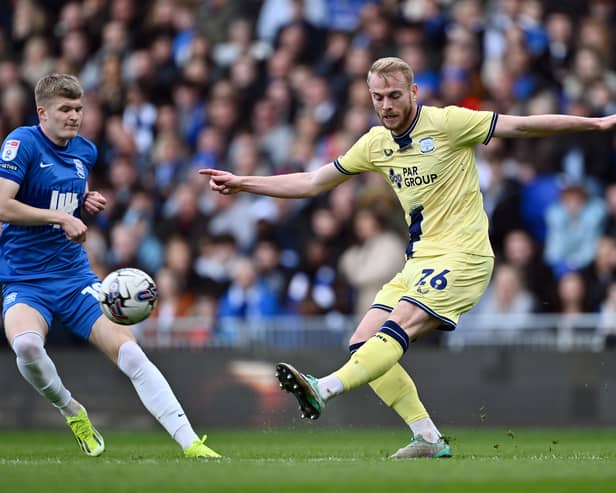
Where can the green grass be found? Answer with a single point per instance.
(312, 459)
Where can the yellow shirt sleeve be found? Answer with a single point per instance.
(466, 127)
(357, 158)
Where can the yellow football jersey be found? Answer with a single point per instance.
(431, 168)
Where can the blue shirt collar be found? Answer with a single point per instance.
(404, 140)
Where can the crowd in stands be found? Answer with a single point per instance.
(272, 86)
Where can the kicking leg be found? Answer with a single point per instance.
(118, 343)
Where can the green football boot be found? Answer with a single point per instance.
(88, 439)
(198, 450)
(303, 387)
(422, 448)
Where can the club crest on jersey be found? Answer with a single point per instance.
(10, 149)
(426, 145)
(388, 152)
(81, 173)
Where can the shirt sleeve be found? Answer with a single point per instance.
(466, 127)
(357, 158)
(16, 155)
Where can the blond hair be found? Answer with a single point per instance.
(57, 85)
(389, 65)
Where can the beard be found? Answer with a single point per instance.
(401, 121)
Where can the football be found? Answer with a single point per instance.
(128, 296)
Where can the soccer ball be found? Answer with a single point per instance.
(128, 296)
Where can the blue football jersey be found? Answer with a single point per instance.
(50, 177)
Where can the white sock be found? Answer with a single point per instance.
(185, 436)
(155, 393)
(36, 367)
(426, 428)
(330, 386)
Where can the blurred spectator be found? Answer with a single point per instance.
(574, 226)
(507, 300)
(123, 248)
(572, 305)
(248, 296)
(501, 190)
(239, 42)
(191, 111)
(181, 216)
(601, 272)
(139, 118)
(37, 60)
(560, 32)
(28, 19)
(610, 203)
(316, 288)
(268, 263)
(110, 88)
(572, 294)
(174, 301)
(214, 17)
(214, 263)
(274, 14)
(115, 39)
(607, 321)
(15, 106)
(588, 67)
(275, 136)
(317, 101)
(203, 316)
(209, 151)
(178, 259)
(140, 216)
(168, 154)
(377, 250)
(522, 253)
(96, 248)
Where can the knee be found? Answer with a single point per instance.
(28, 346)
(131, 358)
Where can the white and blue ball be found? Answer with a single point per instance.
(128, 296)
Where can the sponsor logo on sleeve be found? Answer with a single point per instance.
(9, 152)
(9, 166)
(10, 298)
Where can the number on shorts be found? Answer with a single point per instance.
(439, 281)
(92, 290)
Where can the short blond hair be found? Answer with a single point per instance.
(389, 65)
(57, 85)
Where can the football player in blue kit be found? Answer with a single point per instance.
(45, 272)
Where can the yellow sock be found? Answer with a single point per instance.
(375, 357)
(397, 389)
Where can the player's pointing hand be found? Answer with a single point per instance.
(222, 181)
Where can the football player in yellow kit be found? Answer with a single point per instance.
(426, 154)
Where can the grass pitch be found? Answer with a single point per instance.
(312, 459)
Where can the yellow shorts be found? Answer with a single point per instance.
(445, 286)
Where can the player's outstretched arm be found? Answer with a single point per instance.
(544, 125)
(292, 185)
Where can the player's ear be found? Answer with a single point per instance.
(41, 112)
(414, 91)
